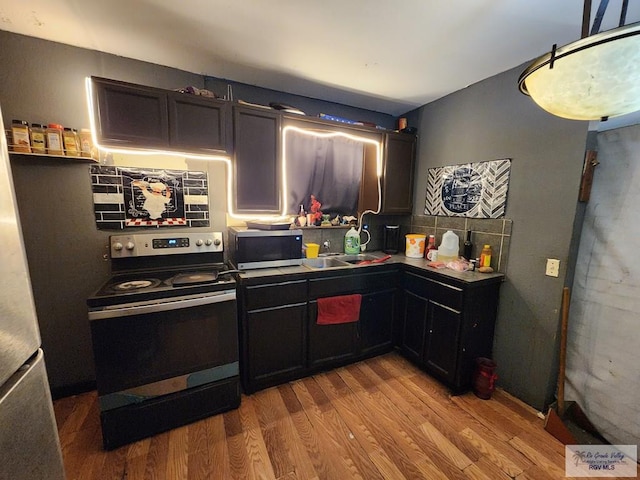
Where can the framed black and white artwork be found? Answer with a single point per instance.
(145, 197)
(474, 190)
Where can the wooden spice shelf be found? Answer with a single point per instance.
(52, 157)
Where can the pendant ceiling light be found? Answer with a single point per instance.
(594, 78)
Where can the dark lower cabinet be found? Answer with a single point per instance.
(447, 324)
(334, 345)
(273, 333)
(281, 340)
(330, 345)
(277, 340)
(414, 326)
(441, 340)
(377, 314)
(440, 323)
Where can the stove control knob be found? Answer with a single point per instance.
(117, 246)
(217, 242)
(208, 242)
(199, 242)
(129, 246)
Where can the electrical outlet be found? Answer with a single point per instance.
(553, 267)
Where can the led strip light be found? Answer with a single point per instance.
(227, 161)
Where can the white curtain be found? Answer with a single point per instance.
(603, 356)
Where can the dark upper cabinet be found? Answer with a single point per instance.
(198, 123)
(130, 115)
(256, 160)
(396, 183)
(397, 177)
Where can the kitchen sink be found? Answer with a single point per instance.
(355, 259)
(338, 260)
(324, 262)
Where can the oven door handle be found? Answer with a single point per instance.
(163, 306)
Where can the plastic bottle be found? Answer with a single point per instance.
(70, 140)
(467, 246)
(431, 245)
(352, 242)
(53, 134)
(485, 256)
(449, 248)
(86, 143)
(38, 143)
(302, 217)
(20, 132)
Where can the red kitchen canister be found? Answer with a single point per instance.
(484, 378)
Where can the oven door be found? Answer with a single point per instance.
(149, 349)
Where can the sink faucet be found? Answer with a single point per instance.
(326, 246)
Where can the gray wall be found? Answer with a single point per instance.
(43, 82)
(491, 120)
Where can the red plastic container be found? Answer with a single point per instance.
(484, 378)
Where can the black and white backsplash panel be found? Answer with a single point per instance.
(143, 197)
(474, 190)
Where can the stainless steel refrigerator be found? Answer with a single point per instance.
(29, 444)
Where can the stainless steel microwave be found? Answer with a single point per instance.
(252, 248)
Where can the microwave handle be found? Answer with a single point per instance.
(163, 306)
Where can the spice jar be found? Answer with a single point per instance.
(53, 135)
(70, 140)
(38, 142)
(86, 143)
(20, 133)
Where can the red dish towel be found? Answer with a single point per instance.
(342, 309)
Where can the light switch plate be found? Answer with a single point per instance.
(553, 267)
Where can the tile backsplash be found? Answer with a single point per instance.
(494, 232)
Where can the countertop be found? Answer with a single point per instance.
(419, 264)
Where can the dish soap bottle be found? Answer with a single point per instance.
(352, 242)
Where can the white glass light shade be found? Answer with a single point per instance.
(593, 78)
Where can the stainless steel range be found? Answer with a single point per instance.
(165, 336)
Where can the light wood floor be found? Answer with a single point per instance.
(378, 419)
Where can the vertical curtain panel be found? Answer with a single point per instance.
(329, 168)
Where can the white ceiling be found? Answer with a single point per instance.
(382, 55)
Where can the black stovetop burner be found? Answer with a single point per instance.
(129, 287)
